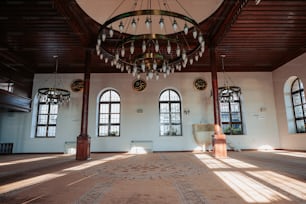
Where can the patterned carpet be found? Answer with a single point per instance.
(173, 177)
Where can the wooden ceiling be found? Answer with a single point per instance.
(253, 37)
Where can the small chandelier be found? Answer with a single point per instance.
(227, 93)
(54, 95)
(152, 40)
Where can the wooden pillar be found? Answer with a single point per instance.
(83, 140)
(220, 150)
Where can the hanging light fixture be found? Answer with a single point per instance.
(152, 40)
(227, 93)
(54, 95)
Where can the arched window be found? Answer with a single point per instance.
(231, 117)
(46, 119)
(299, 105)
(170, 113)
(109, 114)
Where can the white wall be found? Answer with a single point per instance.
(258, 113)
(296, 67)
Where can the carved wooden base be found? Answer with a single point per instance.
(83, 147)
(220, 149)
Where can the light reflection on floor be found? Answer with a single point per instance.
(249, 189)
(285, 183)
(255, 186)
(210, 162)
(237, 163)
(292, 154)
(20, 161)
(46, 177)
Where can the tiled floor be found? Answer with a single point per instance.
(155, 178)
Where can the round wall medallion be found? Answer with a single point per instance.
(200, 84)
(77, 85)
(139, 85)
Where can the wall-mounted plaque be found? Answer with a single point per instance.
(77, 85)
(139, 85)
(200, 84)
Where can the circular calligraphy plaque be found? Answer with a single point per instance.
(139, 85)
(200, 84)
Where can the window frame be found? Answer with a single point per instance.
(109, 124)
(301, 97)
(171, 114)
(48, 125)
(230, 113)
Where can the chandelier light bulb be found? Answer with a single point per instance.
(111, 32)
(203, 43)
(154, 64)
(106, 60)
(196, 58)
(143, 66)
(184, 54)
(148, 23)
(194, 33)
(200, 38)
(144, 47)
(186, 29)
(122, 51)
(156, 76)
(178, 50)
(132, 48)
(101, 56)
(103, 36)
(156, 46)
(168, 47)
(99, 41)
(161, 23)
(200, 53)
(191, 61)
(150, 75)
(164, 67)
(117, 55)
(185, 60)
(121, 27)
(134, 24)
(174, 25)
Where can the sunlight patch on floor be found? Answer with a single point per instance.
(30, 181)
(97, 162)
(20, 161)
(290, 185)
(49, 176)
(249, 189)
(293, 154)
(237, 163)
(211, 162)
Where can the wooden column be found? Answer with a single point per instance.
(83, 140)
(220, 150)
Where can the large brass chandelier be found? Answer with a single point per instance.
(149, 40)
(54, 95)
